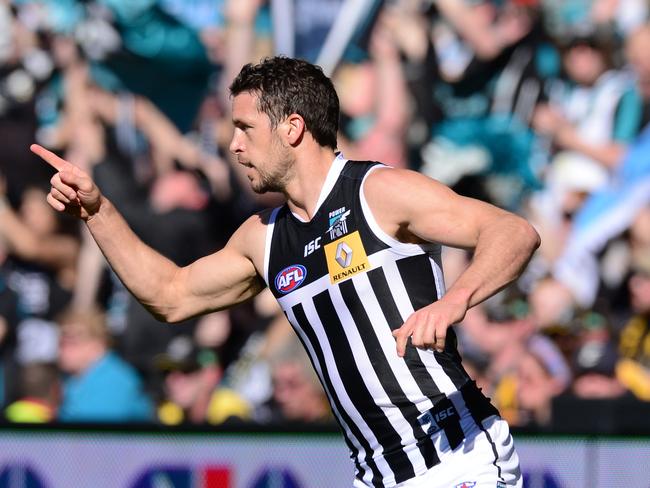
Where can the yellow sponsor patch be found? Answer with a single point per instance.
(346, 257)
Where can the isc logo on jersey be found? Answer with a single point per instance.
(290, 278)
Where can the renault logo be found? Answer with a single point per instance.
(343, 255)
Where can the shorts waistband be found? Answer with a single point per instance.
(444, 415)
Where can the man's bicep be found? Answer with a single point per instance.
(226, 277)
(405, 201)
(451, 219)
(222, 279)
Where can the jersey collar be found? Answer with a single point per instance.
(332, 176)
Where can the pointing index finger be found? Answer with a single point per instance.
(49, 157)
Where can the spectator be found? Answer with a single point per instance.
(39, 394)
(246, 383)
(589, 120)
(39, 242)
(41, 273)
(525, 369)
(621, 16)
(485, 29)
(610, 210)
(595, 359)
(633, 369)
(298, 395)
(9, 317)
(594, 113)
(374, 102)
(483, 146)
(192, 369)
(301, 27)
(542, 375)
(26, 64)
(99, 386)
(191, 374)
(498, 331)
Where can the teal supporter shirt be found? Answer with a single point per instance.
(109, 391)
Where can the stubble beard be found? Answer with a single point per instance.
(277, 177)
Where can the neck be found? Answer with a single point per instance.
(311, 169)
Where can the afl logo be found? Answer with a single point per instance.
(290, 278)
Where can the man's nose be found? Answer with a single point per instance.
(235, 145)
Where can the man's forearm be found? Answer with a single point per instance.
(501, 254)
(145, 272)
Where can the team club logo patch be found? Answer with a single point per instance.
(338, 224)
(466, 484)
(346, 257)
(290, 278)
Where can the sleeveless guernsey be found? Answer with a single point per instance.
(344, 286)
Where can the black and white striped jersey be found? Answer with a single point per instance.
(345, 285)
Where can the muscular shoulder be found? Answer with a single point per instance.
(249, 239)
(397, 196)
(415, 208)
(402, 184)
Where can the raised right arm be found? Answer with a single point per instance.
(171, 293)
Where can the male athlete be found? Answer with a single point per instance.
(353, 259)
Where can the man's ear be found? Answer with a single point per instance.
(295, 128)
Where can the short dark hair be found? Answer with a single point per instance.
(285, 86)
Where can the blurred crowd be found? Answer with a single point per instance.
(541, 107)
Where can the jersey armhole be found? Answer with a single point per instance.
(269, 239)
(404, 248)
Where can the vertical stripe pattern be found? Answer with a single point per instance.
(344, 304)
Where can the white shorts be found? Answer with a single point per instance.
(489, 460)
